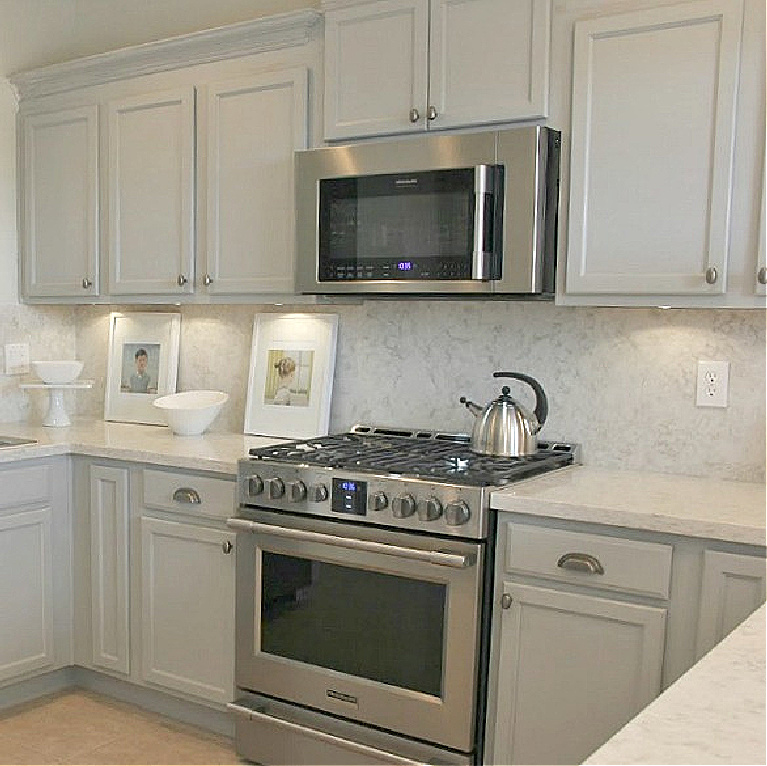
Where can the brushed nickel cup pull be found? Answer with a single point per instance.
(187, 495)
(431, 114)
(87, 284)
(711, 275)
(182, 280)
(207, 280)
(226, 547)
(581, 562)
(761, 276)
(415, 115)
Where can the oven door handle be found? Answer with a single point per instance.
(440, 558)
(379, 756)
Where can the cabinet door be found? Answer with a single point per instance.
(653, 108)
(489, 61)
(187, 608)
(26, 592)
(573, 669)
(733, 586)
(59, 211)
(253, 128)
(109, 568)
(151, 194)
(376, 59)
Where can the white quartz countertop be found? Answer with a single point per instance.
(217, 452)
(685, 505)
(715, 713)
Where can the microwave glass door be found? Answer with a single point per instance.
(406, 226)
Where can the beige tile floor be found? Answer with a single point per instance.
(80, 727)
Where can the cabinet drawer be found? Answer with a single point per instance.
(592, 560)
(189, 493)
(25, 486)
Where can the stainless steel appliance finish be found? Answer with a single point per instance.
(504, 427)
(528, 159)
(363, 565)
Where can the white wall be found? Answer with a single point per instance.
(8, 238)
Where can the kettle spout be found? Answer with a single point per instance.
(473, 408)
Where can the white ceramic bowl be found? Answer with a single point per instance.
(191, 412)
(58, 372)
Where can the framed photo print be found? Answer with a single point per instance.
(142, 365)
(290, 380)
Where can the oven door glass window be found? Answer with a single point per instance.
(384, 627)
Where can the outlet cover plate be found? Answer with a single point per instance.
(16, 358)
(712, 384)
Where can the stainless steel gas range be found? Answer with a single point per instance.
(363, 586)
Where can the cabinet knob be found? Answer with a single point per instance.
(761, 275)
(207, 280)
(711, 275)
(506, 601)
(431, 114)
(415, 115)
(581, 562)
(226, 547)
(182, 280)
(87, 284)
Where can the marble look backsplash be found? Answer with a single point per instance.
(619, 381)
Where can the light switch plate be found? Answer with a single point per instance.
(16, 358)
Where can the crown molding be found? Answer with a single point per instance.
(243, 39)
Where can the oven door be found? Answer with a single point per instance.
(376, 626)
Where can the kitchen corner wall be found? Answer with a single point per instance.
(619, 381)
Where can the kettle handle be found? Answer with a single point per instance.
(541, 402)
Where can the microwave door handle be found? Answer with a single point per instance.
(440, 558)
(479, 263)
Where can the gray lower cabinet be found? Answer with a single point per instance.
(187, 608)
(578, 640)
(733, 586)
(35, 566)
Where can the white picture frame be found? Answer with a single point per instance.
(290, 379)
(142, 365)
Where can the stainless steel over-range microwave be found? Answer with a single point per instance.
(473, 213)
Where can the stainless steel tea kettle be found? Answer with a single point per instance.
(504, 427)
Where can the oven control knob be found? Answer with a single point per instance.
(276, 489)
(297, 491)
(255, 485)
(457, 513)
(378, 501)
(431, 510)
(318, 493)
(403, 506)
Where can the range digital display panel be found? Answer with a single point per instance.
(349, 497)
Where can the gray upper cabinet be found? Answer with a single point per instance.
(253, 127)
(59, 195)
(151, 193)
(398, 66)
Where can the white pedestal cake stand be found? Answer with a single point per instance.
(57, 416)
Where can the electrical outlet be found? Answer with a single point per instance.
(16, 358)
(713, 380)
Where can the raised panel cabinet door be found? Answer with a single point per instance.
(253, 128)
(151, 193)
(573, 669)
(60, 209)
(187, 608)
(733, 587)
(489, 61)
(653, 112)
(376, 63)
(109, 568)
(26, 592)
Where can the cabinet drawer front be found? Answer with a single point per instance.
(25, 486)
(592, 560)
(188, 493)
